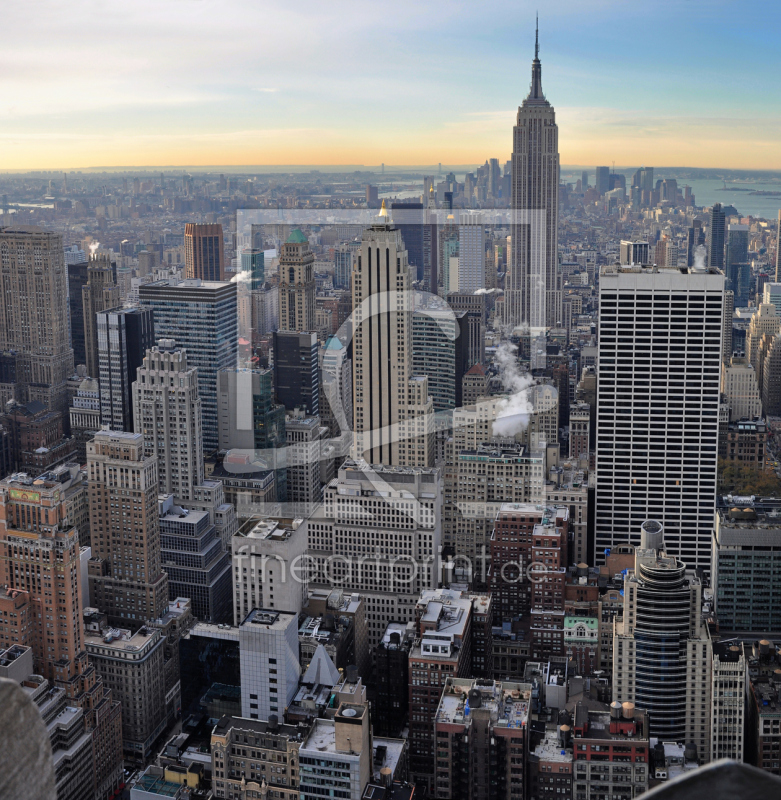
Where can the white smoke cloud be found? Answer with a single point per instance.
(93, 247)
(242, 277)
(699, 257)
(513, 412)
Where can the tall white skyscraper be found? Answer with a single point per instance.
(393, 413)
(167, 410)
(471, 253)
(533, 292)
(659, 362)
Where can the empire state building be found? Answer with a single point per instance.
(533, 289)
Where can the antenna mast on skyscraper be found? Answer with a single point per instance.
(537, 36)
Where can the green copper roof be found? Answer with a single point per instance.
(297, 237)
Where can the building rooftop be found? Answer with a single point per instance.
(269, 618)
(508, 702)
(153, 783)
(550, 748)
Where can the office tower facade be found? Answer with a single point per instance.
(737, 266)
(391, 675)
(234, 774)
(728, 700)
(269, 550)
(201, 315)
(352, 525)
(253, 266)
(270, 669)
(658, 459)
(42, 570)
(739, 384)
(619, 737)
(474, 385)
(508, 473)
(296, 370)
(42, 558)
(343, 266)
(634, 252)
(85, 416)
(729, 313)
(408, 218)
(77, 265)
(471, 252)
(764, 321)
(197, 564)
(442, 649)
(336, 392)
(477, 314)
(778, 249)
(126, 581)
(204, 251)
(391, 407)
(746, 566)
(167, 410)
(303, 462)
(602, 180)
(297, 284)
(481, 728)
(661, 647)
(137, 683)
(440, 349)
(34, 316)
(124, 336)
(717, 229)
(579, 426)
(99, 294)
(532, 291)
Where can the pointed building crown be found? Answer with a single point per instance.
(535, 92)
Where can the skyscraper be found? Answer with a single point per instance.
(167, 412)
(737, 267)
(78, 265)
(34, 316)
(201, 315)
(602, 179)
(124, 336)
(532, 294)
(778, 249)
(125, 578)
(661, 645)
(391, 407)
(408, 218)
(204, 251)
(343, 266)
(471, 253)
(297, 284)
(716, 234)
(440, 351)
(296, 371)
(657, 420)
(100, 293)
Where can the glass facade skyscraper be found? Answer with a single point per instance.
(201, 316)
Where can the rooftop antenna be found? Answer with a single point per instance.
(537, 36)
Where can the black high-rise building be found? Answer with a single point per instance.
(77, 278)
(124, 336)
(296, 371)
(716, 235)
(408, 218)
(391, 677)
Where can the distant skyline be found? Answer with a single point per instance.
(200, 83)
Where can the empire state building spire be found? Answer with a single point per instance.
(535, 92)
(532, 294)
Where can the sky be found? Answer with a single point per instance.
(92, 83)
